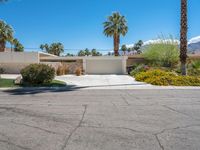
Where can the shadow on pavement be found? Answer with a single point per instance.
(68, 88)
(36, 90)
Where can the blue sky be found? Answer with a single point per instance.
(78, 23)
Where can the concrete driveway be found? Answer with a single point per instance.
(100, 120)
(102, 81)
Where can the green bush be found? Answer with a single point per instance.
(164, 78)
(138, 69)
(165, 53)
(194, 68)
(2, 70)
(38, 74)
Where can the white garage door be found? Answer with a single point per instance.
(104, 66)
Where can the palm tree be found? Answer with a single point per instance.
(94, 52)
(18, 47)
(6, 34)
(183, 37)
(54, 48)
(87, 52)
(124, 49)
(81, 53)
(115, 26)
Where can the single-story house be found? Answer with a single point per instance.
(13, 62)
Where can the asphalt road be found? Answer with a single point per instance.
(100, 120)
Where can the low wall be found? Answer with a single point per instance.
(135, 60)
(13, 68)
(19, 57)
(71, 64)
(13, 62)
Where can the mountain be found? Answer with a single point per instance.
(194, 45)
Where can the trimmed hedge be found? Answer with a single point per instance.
(37, 74)
(164, 78)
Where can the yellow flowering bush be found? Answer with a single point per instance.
(165, 78)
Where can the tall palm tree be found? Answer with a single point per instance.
(6, 34)
(183, 37)
(115, 26)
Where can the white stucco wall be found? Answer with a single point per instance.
(19, 57)
(13, 62)
(105, 65)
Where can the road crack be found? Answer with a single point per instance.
(124, 99)
(75, 129)
(38, 128)
(123, 128)
(174, 110)
(159, 143)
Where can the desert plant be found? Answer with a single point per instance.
(60, 70)
(115, 26)
(65, 69)
(38, 74)
(139, 68)
(1, 71)
(165, 53)
(194, 68)
(166, 78)
(78, 71)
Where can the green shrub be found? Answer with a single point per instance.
(165, 53)
(194, 68)
(38, 74)
(2, 70)
(164, 78)
(138, 69)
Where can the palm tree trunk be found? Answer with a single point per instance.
(116, 44)
(2, 46)
(183, 37)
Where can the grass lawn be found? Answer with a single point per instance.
(10, 83)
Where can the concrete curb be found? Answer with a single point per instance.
(105, 88)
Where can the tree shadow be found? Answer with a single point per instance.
(39, 90)
(68, 88)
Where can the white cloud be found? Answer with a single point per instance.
(194, 40)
